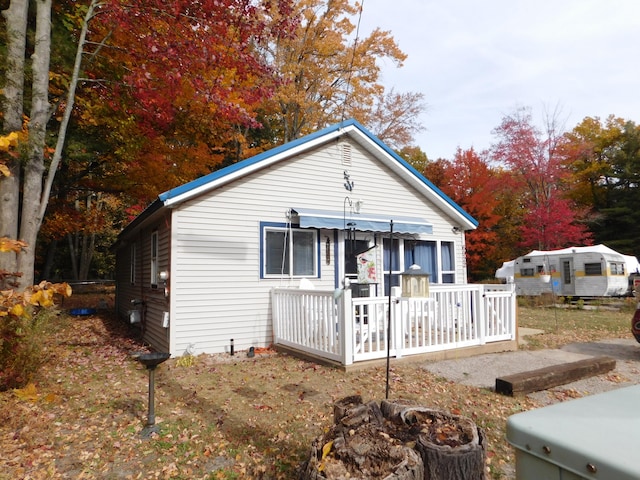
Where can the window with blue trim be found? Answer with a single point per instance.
(289, 252)
(424, 254)
(448, 263)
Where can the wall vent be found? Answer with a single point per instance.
(346, 154)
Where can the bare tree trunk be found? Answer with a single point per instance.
(16, 29)
(73, 249)
(89, 239)
(31, 218)
(35, 187)
(48, 263)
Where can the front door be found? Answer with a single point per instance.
(354, 246)
(568, 286)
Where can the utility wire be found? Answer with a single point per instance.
(353, 56)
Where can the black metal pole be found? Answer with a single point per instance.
(151, 418)
(389, 318)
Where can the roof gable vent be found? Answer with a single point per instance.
(346, 154)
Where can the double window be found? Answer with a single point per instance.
(289, 252)
(437, 258)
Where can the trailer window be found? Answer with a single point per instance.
(593, 269)
(526, 272)
(616, 268)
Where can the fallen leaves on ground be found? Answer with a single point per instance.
(84, 415)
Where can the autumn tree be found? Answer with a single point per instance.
(184, 80)
(328, 72)
(535, 159)
(415, 157)
(437, 171)
(471, 182)
(25, 192)
(148, 91)
(604, 158)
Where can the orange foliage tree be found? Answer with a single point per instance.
(327, 74)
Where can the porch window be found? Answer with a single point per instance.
(132, 265)
(290, 252)
(391, 256)
(422, 253)
(448, 263)
(593, 268)
(154, 257)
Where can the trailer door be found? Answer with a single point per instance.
(568, 279)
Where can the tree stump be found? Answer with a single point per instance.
(396, 441)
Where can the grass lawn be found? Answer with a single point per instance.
(83, 415)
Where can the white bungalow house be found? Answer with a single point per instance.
(258, 253)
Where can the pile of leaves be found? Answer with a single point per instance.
(250, 418)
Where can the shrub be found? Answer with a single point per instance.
(21, 342)
(24, 321)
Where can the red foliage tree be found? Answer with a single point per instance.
(175, 80)
(473, 184)
(203, 50)
(536, 162)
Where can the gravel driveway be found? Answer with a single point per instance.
(482, 370)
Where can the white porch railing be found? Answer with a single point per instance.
(349, 330)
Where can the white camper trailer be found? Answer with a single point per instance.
(594, 271)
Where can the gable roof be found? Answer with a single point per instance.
(350, 128)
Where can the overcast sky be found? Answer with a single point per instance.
(475, 62)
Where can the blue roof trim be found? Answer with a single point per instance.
(236, 167)
(421, 177)
(223, 172)
(146, 213)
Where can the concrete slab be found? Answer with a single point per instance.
(482, 370)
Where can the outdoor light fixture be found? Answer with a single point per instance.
(456, 229)
(164, 275)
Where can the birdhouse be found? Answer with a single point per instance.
(415, 282)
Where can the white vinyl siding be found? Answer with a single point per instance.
(217, 292)
(137, 254)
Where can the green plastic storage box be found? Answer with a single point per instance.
(594, 437)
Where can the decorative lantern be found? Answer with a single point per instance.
(415, 282)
